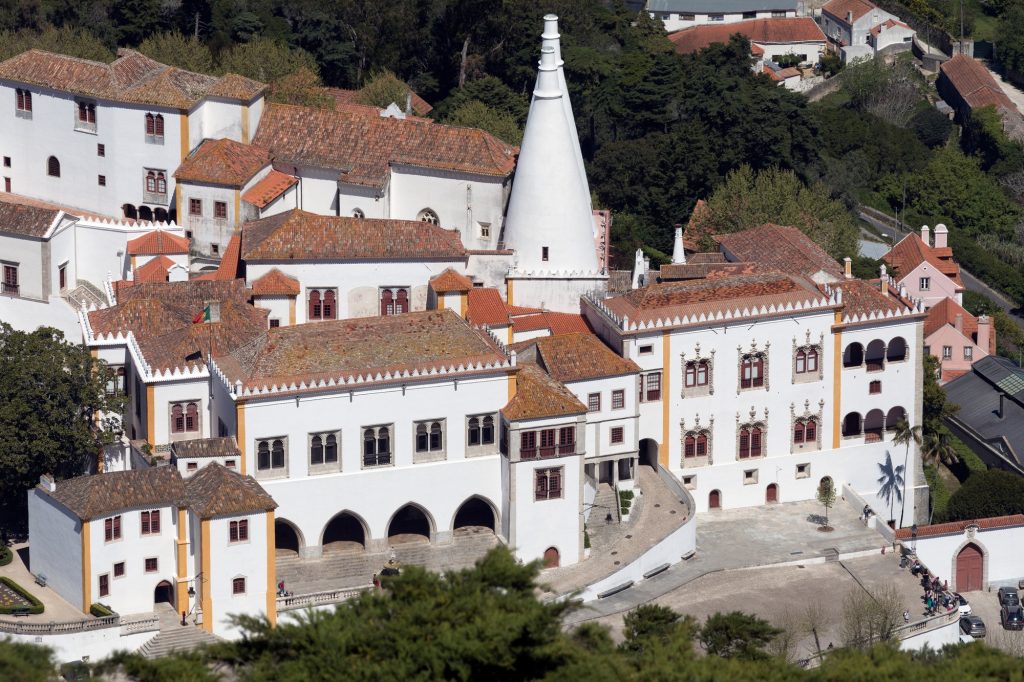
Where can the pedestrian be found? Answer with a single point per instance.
(906, 616)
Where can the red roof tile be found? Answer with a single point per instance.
(944, 312)
(956, 527)
(539, 396)
(762, 31)
(839, 9)
(450, 281)
(19, 218)
(275, 283)
(300, 235)
(420, 106)
(157, 242)
(132, 78)
(891, 23)
(791, 251)
(155, 270)
(362, 148)
(223, 162)
(485, 307)
(555, 323)
(974, 83)
(269, 188)
(230, 263)
(862, 297)
(581, 356)
(912, 251)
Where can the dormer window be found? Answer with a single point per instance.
(23, 103)
(156, 186)
(86, 117)
(154, 129)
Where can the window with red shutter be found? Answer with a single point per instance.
(811, 431)
(527, 444)
(159, 125)
(145, 523)
(618, 399)
(702, 445)
(233, 531)
(151, 565)
(220, 210)
(547, 443)
(191, 417)
(690, 449)
(104, 585)
(540, 489)
(554, 483)
(755, 442)
(238, 586)
(154, 521)
(243, 530)
(566, 437)
(195, 207)
(108, 530)
(744, 443)
(402, 301)
(812, 360)
(594, 402)
(798, 433)
(330, 310)
(177, 419)
(801, 362)
(387, 305)
(652, 384)
(117, 527)
(150, 125)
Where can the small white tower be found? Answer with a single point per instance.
(551, 38)
(678, 252)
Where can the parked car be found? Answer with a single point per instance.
(1008, 596)
(973, 626)
(1012, 617)
(964, 606)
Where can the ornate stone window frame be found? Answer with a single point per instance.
(697, 356)
(807, 345)
(805, 415)
(751, 422)
(753, 351)
(695, 430)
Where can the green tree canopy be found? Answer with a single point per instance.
(185, 52)
(737, 635)
(266, 60)
(478, 115)
(987, 493)
(49, 391)
(384, 88)
(77, 42)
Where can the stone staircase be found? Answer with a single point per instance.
(598, 527)
(86, 294)
(174, 636)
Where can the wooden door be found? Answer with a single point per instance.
(969, 564)
(551, 558)
(772, 493)
(715, 500)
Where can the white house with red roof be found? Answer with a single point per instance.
(859, 28)
(927, 268)
(956, 338)
(681, 14)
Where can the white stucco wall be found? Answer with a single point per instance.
(230, 560)
(27, 254)
(1000, 549)
(205, 228)
(55, 539)
(540, 524)
(184, 391)
(558, 293)
(675, 20)
(94, 645)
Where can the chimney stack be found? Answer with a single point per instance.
(883, 280)
(958, 322)
(924, 235)
(47, 483)
(678, 252)
(985, 334)
(940, 236)
(408, 102)
(849, 18)
(1002, 405)
(638, 269)
(848, 267)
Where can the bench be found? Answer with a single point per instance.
(41, 579)
(20, 611)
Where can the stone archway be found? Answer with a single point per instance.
(649, 452)
(970, 568)
(163, 592)
(771, 493)
(715, 499)
(410, 524)
(475, 515)
(287, 539)
(552, 558)
(344, 533)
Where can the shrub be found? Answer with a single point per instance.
(100, 611)
(968, 464)
(938, 491)
(989, 493)
(35, 606)
(586, 539)
(6, 555)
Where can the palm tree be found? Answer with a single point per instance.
(938, 448)
(892, 483)
(905, 434)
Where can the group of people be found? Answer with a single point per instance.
(936, 592)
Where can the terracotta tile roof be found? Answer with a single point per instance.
(948, 375)
(521, 310)
(362, 148)
(862, 297)
(698, 270)
(30, 221)
(762, 31)
(840, 8)
(367, 347)
(771, 73)
(944, 312)
(275, 283)
(301, 235)
(485, 307)
(957, 527)
(710, 296)
(539, 396)
(450, 281)
(155, 270)
(160, 316)
(579, 357)
(555, 323)
(90, 497)
(269, 188)
(791, 251)
(132, 78)
(974, 83)
(223, 162)
(157, 242)
(420, 106)
(912, 251)
(230, 263)
(790, 72)
(891, 23)
(200, 448)
(216, 490)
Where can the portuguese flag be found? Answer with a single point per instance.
(203, 316)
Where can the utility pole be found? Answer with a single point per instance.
(961, 26)
(196, 30)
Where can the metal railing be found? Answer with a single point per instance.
(302, 601)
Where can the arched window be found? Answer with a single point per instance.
(436, 440)
(314, 305)
(852, 424)
(752, 371)
(421, 438)
(697, 372)
(145, 213)
(129, 211)
(387, 303)
(474, 431)
(428, 216)
(53, 167)
(798, 433)
(263, 455)
(801, 361)
(811, 431)
(161, 183)
(690, 449)
(383, 441)
(487, 434)
(812, 360)
(150, 124)
(316, 450)
(369, 443)
(277, 454)
(331, 449)
(159, 125)
(330, 310)
(402, 301)
(853, 355)
(702, 445)
(744, 443)
(191, 417)
(151, 181)
(358, 213)
(160, 215)
(755, 442)
(177, 419)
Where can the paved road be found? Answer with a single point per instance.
(1014, 93)
(970, 281)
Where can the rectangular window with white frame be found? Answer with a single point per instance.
(968, 352)
(618, 399)
(925, 283)
(11, 285)
(650, 387)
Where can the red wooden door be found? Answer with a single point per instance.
(551, 558)
(969, 564)
(772, 493)
(714, 500)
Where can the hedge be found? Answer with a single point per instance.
(6, 555)
(938, 491)
(969, 463)
(35, 607)
(100, 611)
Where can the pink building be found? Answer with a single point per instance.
(927, 270)
(956, 338)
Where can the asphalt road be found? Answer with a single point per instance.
(970, 281)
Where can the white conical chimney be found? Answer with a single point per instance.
(549, 221)
(639, 273)
(551, 38)
(678, 252)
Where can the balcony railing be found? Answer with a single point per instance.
(159, 198)
(11, 289)
(379, 460)
(545, 452)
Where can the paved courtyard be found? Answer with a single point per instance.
(746, 538)
(55, 608)
(986, 605)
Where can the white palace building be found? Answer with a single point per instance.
(354, 386)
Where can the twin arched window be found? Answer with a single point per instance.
(270, 454)
(481, 431)
(752, 371)
(394, 301)
(695, 444)
(429, 437)
(697, 373)
(377, 446)
(805, 431)
(807, 361)
(155, 125)
(184, 418)
(323, 449)
(751, 441)
(322, 304)
(156, 182)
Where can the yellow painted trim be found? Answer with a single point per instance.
(177, 204)
(837, 380)
(133, 263)
(151, 414)
(238, 206)
(240, 430)
(86, 567)
(440, 301)
(291, 312)
(511, 385)
(207, 599)
(463, 304)
(181, 593)
(508, 292)
(245, 124)
(183, 120)
(666, 364)
(509, 329)
(271, 574)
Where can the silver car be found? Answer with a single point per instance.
(973, 626)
